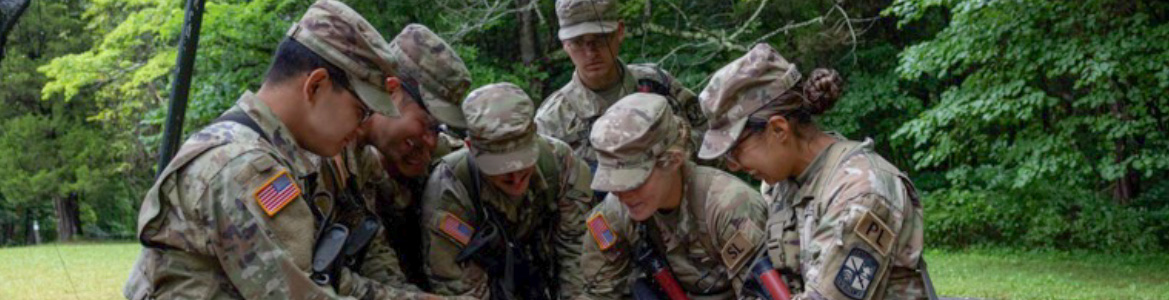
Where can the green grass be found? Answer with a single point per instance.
(91, 271)
(97, 271)
(1006, 274)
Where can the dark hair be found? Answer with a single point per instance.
(812, 96)
(292, 58)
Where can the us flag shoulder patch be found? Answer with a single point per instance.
(277, 193)
(599, 228)
(455, 228)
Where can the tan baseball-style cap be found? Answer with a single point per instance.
(502, 133)
(628, 139)
(738, 90)
(442, 77)
(580, 17)
(344, 38)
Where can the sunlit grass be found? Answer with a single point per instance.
(98, 271)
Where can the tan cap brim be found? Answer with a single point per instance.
(583, 28)
(507, 162)
(620, 179)
(444, 111)
(717, 141)
(375, 97)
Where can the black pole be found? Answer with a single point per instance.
(181, 87)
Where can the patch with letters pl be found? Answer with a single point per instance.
(873, 231)
(856, 273)
(277, 193)
(599, 228)
(455, 228)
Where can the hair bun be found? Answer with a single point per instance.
(822, 88)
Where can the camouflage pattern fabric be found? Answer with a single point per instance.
(424, 57)
(738, 90)
(205, 233)
(716, 207)
(499, 119)
(851, 226)
(568, 113)
(580, 17)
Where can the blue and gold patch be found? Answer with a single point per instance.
(856, 273)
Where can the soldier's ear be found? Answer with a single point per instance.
(313, 84)
(619, 34)
(779, 127)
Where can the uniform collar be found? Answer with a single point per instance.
(585, 100)
(678, 225)
(281, 138)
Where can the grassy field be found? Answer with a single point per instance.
(97, 271)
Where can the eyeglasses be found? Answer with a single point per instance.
(365, 111)
(590, 41)
(751, 128)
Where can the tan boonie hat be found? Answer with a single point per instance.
(738, 90)
(580, 17)
(341, 36)
(502, 134)
(628, 139)
(425, 58)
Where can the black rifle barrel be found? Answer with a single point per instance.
(181, 86)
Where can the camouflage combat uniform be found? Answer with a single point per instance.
(708, 240)
(850, 226)
(568, 114)
(430, 66)
(227, 217)
(550, 213)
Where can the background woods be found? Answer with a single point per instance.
(1026, 123)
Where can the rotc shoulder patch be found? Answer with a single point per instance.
(455, 228)
(599, 228)
(856, 273)
(875, 232)
(277, 193)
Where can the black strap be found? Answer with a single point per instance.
(486, 217)
(242, 118)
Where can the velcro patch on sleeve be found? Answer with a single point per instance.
(455, 228)
(875, 232)
(856, 274)
(738, 248)
(602, 233)
(277, 193)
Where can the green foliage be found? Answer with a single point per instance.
(1044, 91)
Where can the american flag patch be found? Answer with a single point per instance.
(599, 228)
(276, 193)
(455, 228)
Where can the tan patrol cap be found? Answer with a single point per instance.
(343, 37)
(738, 90)
(580, 17)
(442, 76)
(502, 133)
(628, 139)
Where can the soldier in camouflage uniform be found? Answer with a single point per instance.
(845, 223)
(226, 219)
(591, 33)
(387, 166)
(707, 223)
(504, 217)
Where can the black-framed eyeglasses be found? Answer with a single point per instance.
(412, 89)
(366, 112)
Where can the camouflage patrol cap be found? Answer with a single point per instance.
(580, 17)
(502, 133)
(628, 139)
(424, 57)
(342, 37)
(740, 89)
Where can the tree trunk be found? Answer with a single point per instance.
(1128, 185)
(68, 217)
(528, 44)
(30, 234)
(10, 12)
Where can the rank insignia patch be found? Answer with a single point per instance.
(455, 228)
(276, 193)
(856, 274)
(599, 228)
